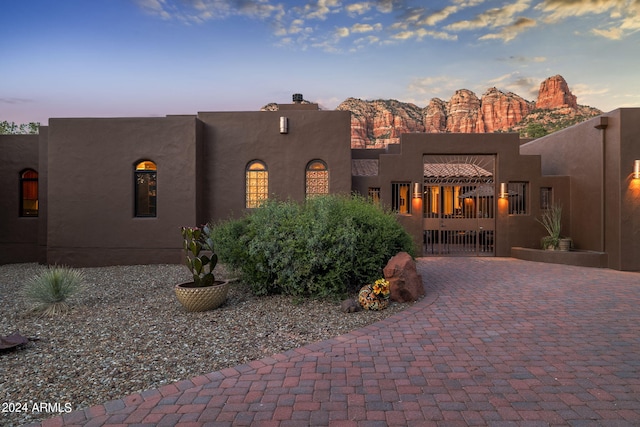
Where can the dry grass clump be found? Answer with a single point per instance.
(52, 288)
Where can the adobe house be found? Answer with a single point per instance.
(117, 190)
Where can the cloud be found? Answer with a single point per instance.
(320, 9)
(154, 7)
(430, 87)
(619, 18)
(199, 11)
(557, 10)
(439, 16)
(611, 33)
(342, 32)
(492, 18)
(523, 59)
(15, 101)
(365, 28)
(421, 33)
(510, 32)
(358, 8)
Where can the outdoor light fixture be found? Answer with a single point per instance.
(417, 194)
(284, 125)
(636, 169)
(503, 190)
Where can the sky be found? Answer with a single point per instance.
(144, 58)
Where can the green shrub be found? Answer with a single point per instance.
(52, 288)
(328, 246)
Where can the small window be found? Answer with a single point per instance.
(29, 193)
(146, 176)
(374, 195)
(518, 198)
(400, 197)
(546, 197)
(257, 184)
(317, 178)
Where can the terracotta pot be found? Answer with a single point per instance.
(202, 298)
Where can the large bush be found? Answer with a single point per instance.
(328, 246)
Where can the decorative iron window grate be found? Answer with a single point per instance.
(518, 198)
(400, 193)
(546, 197)
(374, 195)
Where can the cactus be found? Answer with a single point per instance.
(195, 241)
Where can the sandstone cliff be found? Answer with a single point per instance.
(500, 111)
(375, 124)
(554, 93)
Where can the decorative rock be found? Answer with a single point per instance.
(350, 306)
(405, 282)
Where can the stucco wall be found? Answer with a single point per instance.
(629, 190)
(598, 156)
(576, 152)
(91, 189)
(510, 230)
(233, 139)
(18, 235)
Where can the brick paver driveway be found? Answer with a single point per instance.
(495, 342)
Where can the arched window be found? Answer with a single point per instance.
(257, 184)
(317, 178)
(29, 193)
(146, 176)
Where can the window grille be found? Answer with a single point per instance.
(518, 198)
(257, 184)
(146, 177)
(317, 178)
(546, 197)
(29, 193)
(400, 202)
(374, 195)
(459, 201)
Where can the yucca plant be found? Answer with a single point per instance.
(52, 288)
(551, 219)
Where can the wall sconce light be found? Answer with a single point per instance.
(636, 169)
(284, 125)
(503, 190)
(417, 194)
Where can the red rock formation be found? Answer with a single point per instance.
(462, 112)
(500, 111)
(435, 116)
(554, 93)
(375, 124)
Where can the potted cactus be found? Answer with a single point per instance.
(204, 292)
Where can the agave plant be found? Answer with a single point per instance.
(200, 257)
(52, 288)
(551, 219)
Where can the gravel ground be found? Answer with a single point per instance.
(126, 333)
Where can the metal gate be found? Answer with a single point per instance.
(459, 205)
